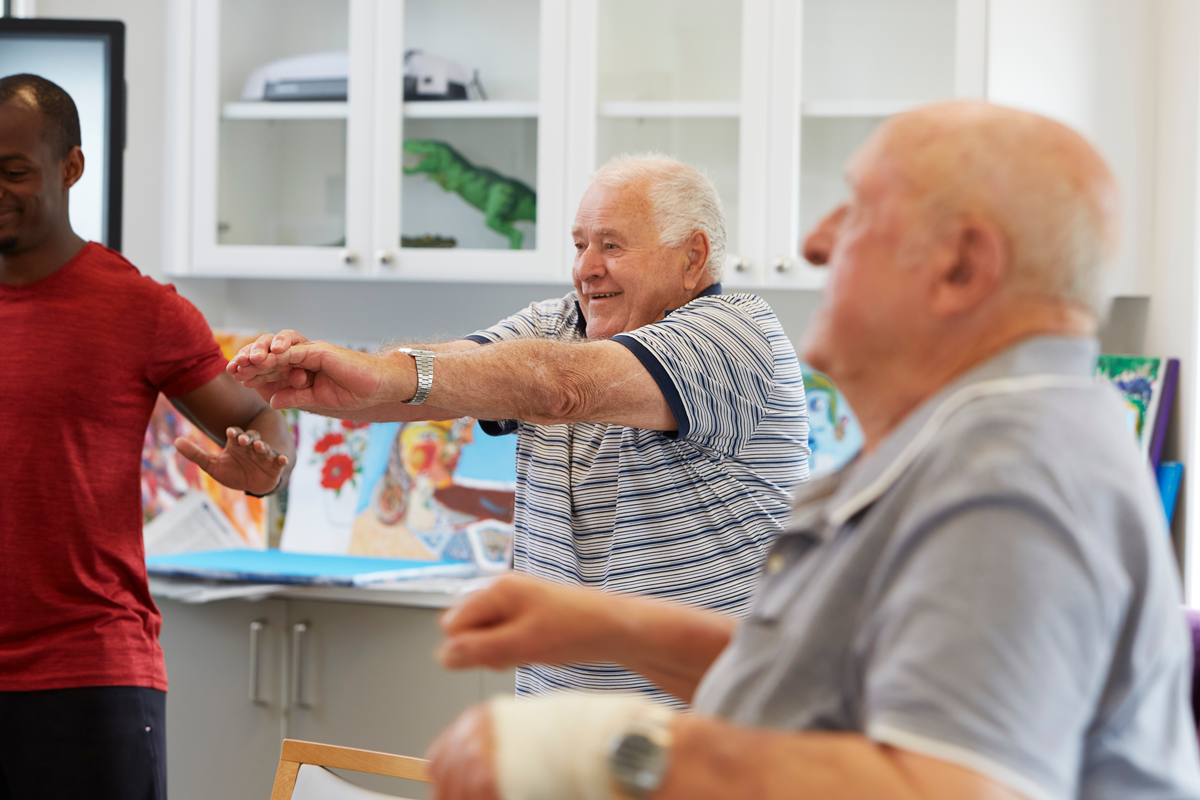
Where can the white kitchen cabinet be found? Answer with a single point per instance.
(769, 97)
(245, 675)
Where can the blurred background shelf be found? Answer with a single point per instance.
(452, 109)
(671, 109)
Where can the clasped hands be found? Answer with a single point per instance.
(289, 371)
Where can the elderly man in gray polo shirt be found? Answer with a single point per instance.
(983, 605)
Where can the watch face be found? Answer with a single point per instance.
(638, 764)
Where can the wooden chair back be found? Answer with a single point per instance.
(296, 753)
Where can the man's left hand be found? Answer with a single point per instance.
(246, 463)
(463, 758)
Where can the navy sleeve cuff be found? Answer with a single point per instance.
(665, 384)
(498, 427)
(474, 337)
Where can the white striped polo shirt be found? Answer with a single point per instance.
(685, 516)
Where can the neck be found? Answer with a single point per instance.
(883, 397)
(27, 266)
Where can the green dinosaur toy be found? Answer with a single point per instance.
(502, 200)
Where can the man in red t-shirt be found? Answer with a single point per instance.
(88, 344)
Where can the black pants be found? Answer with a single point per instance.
(96, 742)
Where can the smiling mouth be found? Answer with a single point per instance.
(603, 296)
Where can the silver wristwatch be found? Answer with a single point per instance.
(638, 756)
(424, 359)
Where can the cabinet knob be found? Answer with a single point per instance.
(782, 264)
(385, 257)
(741, 263)
(348, 257)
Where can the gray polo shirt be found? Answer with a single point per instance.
(993, 586)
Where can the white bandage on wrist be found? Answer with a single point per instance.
(556, 747)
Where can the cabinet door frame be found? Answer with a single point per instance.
(540, 265)
(753, 161)
(784, 264)
(209, 258)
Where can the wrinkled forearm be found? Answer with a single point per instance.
(548, 383)
(671, 644)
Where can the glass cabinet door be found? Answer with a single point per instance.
(282, 108)
(469, 139)
(669, 78)
(861, 61)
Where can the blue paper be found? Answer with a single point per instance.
(1170, 473)
(273, 566)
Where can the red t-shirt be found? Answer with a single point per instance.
(84, 353)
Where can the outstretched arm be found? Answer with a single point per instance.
(258, 451)
(534, 380)
(710, 759)
(519, 620)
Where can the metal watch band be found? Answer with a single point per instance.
(424, 359)
(638, 756)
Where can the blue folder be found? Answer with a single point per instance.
(272, 566)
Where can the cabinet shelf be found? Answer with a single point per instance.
(472, 109)
(671, 109)
(265, 110)
(452, 109)
(850, 109)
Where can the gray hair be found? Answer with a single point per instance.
(683, 198)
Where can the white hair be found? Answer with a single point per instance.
(682, 197)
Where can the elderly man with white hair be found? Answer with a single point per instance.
(661, 423)
(983, 605)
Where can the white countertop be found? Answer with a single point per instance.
(423, 593)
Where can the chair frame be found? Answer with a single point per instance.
(297, 752)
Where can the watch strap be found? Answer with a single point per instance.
(424, 361)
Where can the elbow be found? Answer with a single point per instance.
(561, 397)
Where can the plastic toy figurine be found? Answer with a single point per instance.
(502, 200)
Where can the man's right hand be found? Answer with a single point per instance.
(289, 371)
(518, 620)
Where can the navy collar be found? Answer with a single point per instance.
(581, 323)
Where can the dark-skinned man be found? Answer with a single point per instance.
(89, 344)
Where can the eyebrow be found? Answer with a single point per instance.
(613, 232)
(11, 156)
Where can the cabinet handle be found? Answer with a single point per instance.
(256, 629)
(384, 257)
(782, 264)
(299, 637)
(348, 257)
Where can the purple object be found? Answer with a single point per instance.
(1163, 417)
(1193, 618)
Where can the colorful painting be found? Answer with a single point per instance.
(168, 476)
(437, 491)
(834, 436)
(1139, 381)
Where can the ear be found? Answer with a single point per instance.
(696, 250)
(72, 168)
(973, 270)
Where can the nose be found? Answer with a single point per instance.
(818, 245)
(589, 263)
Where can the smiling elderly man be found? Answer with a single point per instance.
(662, 423)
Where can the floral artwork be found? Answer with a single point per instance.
(323, 490)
